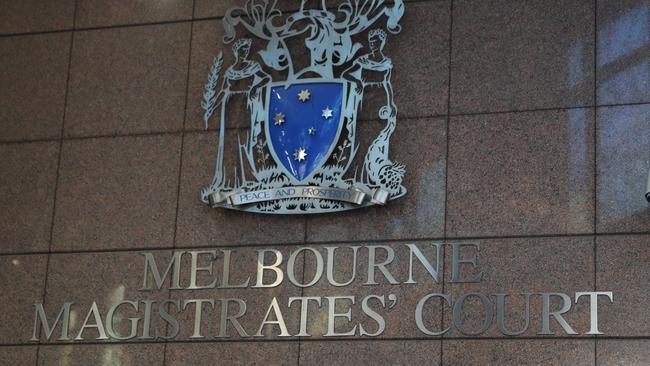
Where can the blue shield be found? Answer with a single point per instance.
(303, 125)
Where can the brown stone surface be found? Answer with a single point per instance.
(199, 225)
(420, 55)
(512, 55)
(100, 13)
(623, 163)
(27, 183)
(420, 213)
(105, 354)
(613, 352)
(232, 353)
(208, 8)
(624, 268)
(105, 278)
(521, 174)
(623, 51)
(518, 352)
(400, 318)
(128, 80)
(243, 267)
(25, 355)
(22, 279)
(117, 193)
(370, 353)
(518, 266)
(21, 16)
(33, 71)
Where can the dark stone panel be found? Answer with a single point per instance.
(128, 80)
(22, 279)
(22, 16)
(27, 183)
(200, 225)
(515, 55)
(614, 352)
(370, 353)
(518, 352)
(519, 266)
(623, 51)
(106, 278)
(232, 353)
(104, 354)
(420, 213)
(526, 173)
(623, 164)
(117, 193)
(208, 8)
(24, 355)
(624, 268)
(100, 13)
(33, 73)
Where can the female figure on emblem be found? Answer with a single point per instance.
(374, 70)
(244, 78)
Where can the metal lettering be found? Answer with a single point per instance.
(45, 325)
(225, 318)
(261, 254)
(198, 311)
(372, 264)
(593, 308)
(94, 311)
(292, 261)
(547, 313)
(195, 269)
(304, 305)
(501, 310)
(332, 315)
(330, 266)
(456, 262)
(150, 262)
(418, 314)
(487, 308)
(279, 320)
(134, 321)
(413, 249)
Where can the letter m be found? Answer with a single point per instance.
(174, 266)
(40, 315)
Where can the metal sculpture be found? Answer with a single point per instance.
(302, 142)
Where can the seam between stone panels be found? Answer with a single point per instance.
(180, 167)
(447, 140)
(302, 289)
(178, 132)
(318, 244)
(180, 163)
(358, 339)
(58, 170)
(117, 26)
(595, 138)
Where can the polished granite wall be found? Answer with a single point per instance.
(524, 125)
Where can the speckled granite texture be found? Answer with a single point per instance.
(524, 125)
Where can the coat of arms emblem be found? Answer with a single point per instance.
(302, 152)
